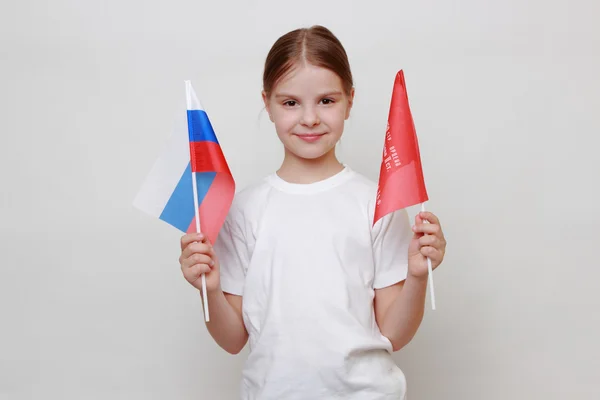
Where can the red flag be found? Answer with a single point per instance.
(401, 182)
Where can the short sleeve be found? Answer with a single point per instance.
(391, 237)
(232, 251)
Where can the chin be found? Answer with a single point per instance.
(310, 154)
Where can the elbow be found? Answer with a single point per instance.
(399, 343)
(232, 351)
(397, 346)
(235, 348)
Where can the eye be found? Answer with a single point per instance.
(289, 103)
(327, 101)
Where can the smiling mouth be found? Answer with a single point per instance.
(310, 137)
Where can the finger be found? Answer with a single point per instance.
(190, 238)
(429, 216)
(429, 229)
(430, 240)
(198, 259)
(196, 248)
(194, 272)
(418, 219)
(206, 248)
(432, 253)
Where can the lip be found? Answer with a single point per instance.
(310, 137)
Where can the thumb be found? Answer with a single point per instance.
(418, 221)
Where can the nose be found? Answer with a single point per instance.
(310, 117)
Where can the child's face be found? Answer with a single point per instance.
(309, 107)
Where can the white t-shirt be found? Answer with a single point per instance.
(306, 260)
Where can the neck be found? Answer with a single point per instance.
(304, 171)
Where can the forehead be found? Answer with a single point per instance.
(309, 79)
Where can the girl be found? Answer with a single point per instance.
(298, 270)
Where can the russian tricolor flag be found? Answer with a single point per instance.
(190, 186)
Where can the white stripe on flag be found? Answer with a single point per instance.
(166, 171)
(192, 101)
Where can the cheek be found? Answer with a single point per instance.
(284, 121)
(335, 119)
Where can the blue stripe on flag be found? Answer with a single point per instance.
(179, 210)
(199, 127)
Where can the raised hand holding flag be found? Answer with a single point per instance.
(190, 185)
(211, 173)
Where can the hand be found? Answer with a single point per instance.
(428, 241)
(198, 257)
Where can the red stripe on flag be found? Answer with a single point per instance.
(207, 157)
(401, 182)
(215, 206)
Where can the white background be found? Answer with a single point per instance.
(505, 97)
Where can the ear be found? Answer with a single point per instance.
(266, 102)
(350, 103)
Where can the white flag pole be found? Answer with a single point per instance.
(204, 296)
(188, 87)
(429, 270)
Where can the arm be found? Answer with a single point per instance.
(226, 325)
(399, 308)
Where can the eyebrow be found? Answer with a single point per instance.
(332, 93)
